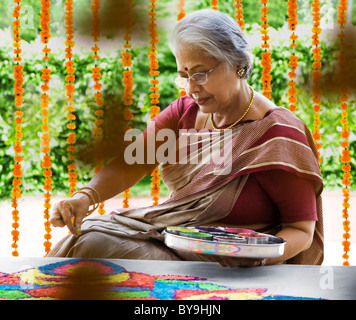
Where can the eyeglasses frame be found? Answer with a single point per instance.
(187, 79)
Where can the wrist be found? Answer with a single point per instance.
(89, 196)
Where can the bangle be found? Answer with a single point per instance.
(91, 189)
(90, 197)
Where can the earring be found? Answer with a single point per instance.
(241, 72)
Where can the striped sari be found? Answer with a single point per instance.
(205, 192)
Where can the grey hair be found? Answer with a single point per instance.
(216, 35)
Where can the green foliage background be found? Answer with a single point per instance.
(112, 70)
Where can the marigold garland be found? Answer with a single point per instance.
(345, 133)
(181, 12)
(214, 4)
(18, 94)
(293, 59)
(239, 14)
(153, 33)
(127, 81)
(266, 55)
(45, 138)
(99, 112)
(181, 15)
(316, 75)
(70, 87)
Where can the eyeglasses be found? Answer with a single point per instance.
(199, 78)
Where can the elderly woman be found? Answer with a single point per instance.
(269, 180)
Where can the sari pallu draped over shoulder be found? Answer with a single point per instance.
(206, 191)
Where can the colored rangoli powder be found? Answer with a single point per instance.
(106, 280)
(13, 294)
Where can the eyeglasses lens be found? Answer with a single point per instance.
(198, 78)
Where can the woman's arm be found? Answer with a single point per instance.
(118, 175)
(296, 201)
(299, 236)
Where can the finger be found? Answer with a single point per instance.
(258, 263)
(56, 220)
(78, 222)
(56, 217)
(67, 213)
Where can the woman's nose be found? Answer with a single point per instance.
(192, 87)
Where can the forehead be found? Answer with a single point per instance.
(189, 60)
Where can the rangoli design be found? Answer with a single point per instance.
(101, 279)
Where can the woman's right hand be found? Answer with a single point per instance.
(64, 210)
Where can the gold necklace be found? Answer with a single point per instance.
(238, 120)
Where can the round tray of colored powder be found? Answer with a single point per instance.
(192, 242)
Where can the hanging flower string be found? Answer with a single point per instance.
(239, 14)
(152, 28)
(181, 12)
(214, 4)
(99, 112)
(345, 132)
(316, 75)
(181, 15)
(18, 93)
(293, 59)
(128, 82)
(266, 55)
(45, 138)
(70, 87)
